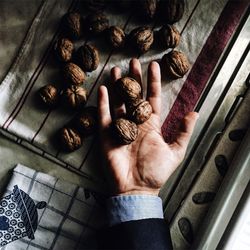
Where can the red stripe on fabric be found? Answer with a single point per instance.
(203, 67)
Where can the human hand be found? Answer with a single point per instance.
(145, 165)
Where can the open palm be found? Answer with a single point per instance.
(143, 166)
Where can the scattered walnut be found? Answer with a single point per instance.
(175, 64)
(49, 95)
(169, 36)
(126, 131)
(171, 11)
(97, 22)
(142, 38)
(73, 74)
(86, 121)
(64, 48)
(147, 8)
(75, 96)
(139, 111)
(72, 25)
(69, 139)
(87, 57)
(116, 36)
(128, 88)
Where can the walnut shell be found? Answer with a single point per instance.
(169, 36)
(49, 95)
(126, 131)
(171, 11)
(116, 37)
(142, 38)
(128, 88)
(86, 122)
(139, 111)
(75, 96)
(97, 22)
(73, 74)
(64, 49)
(72, 25)
(147, 8)
(87, 57)
(69, 139)
(175, 64)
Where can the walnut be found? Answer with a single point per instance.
(69, 139)
(171, 11)
(116, 36)
(87, 57)
(147, 8)
(86, 121)
(97, 22)
(49, 95)
(75, 97)
(175, 64)
(169, 36)
(139, 111)
(95, 5)
(142, 38)
(126, 131)
(128, 88)
(73, 74)
(63, 49)
(72, 25)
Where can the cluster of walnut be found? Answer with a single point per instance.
(71, 136)
(175, 63)
(138, 110)
(72, 94)
(75, 63)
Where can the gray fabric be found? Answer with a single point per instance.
(15, 19)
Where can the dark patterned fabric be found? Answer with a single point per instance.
(18, 216)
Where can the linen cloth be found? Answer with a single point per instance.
(70, 218)
(22, 121)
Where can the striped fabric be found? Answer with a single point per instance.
(204, 38)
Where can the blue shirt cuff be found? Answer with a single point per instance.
(133, 207)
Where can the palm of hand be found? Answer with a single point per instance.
(144, 165)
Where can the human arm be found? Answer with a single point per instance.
(142, 167)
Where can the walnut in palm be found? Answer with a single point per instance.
(125, 131)
(139, 111)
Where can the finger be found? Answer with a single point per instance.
(118, 107)
(103, 108)
(154, 87)
(115, 74)
(187, 128)
(135, 70)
